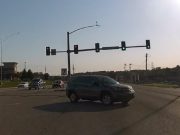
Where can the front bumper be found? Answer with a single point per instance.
(123, 97)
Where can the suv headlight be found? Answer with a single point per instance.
(131, 89)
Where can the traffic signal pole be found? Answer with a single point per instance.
(68, 55)
(68, 46)
(146, 60)
(97, 47)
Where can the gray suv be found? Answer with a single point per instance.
(98, 87)
(36, 83)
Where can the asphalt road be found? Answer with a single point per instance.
(154, 111)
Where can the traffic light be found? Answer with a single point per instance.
(123, 45)
(47, 51)
(148, 44)
(97, 47)
(75, 49)
(53, 51)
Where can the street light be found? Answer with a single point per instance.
(68, 45)
(3, 40)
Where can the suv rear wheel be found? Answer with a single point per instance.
(106, 99)
(73, 97)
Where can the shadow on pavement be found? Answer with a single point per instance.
(146, 117)
(84, 106)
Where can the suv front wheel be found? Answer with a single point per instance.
(73, 97)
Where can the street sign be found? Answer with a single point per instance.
(53, 51)
(110, 48)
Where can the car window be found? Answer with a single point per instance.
(83, 81)
(109, 81)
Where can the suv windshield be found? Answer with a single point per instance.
(109, 81)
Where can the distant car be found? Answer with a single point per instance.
(97, 87)
(37, 83)
(23, 85)
(58, 84)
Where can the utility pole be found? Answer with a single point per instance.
(124, 67)
(152, 65)
(73, 69)
(45, 69)
(146, 60)
(25, 65)
(130, 66)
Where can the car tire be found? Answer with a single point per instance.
(106, 99)
(73, 97)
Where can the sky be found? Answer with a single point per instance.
(28, 26)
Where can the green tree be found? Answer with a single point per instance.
(46, 76)
(30, 75)
(24, 75)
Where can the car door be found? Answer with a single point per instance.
(91, 88)
(81, 87)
